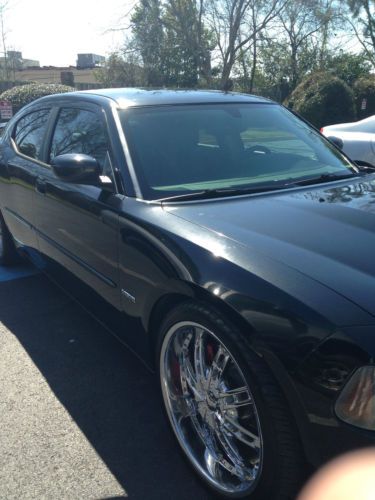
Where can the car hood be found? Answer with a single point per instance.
(326, 232)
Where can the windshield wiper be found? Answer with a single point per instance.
(207, 194)
(324, 178)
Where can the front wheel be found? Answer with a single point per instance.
(225, 408)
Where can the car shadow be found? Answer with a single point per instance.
(108, 392)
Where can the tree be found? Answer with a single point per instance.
(275, 69)
(364, 89)
(173, 42)
(236, 24)
(305, 30)
(4, 5)
(147, 30)
(348, 67)
(328, 15)
(266, 46)
(120, 71)
(323, 99)
(299, 43)
(187, 43)
(363, 25)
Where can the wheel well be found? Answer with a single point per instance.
(171, 300)
(168, 302)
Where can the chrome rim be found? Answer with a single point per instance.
(211, 408)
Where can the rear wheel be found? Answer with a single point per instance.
(225, 408)
(8, 252)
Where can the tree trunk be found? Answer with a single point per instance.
(253, 66)
(225, 81)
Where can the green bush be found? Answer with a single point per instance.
(323, 99)
(364, 88)
(24, 94)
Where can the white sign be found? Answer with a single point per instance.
(6, 110)
(364, 104)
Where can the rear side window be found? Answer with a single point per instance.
(80, 131)
(29, 133)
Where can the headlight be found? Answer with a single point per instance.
(356, 403)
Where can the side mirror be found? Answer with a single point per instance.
(76, 168)
(339, 143)
(364, 165)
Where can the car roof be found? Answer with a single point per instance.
(366, 126)
(127, 97)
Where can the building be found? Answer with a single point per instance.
(85, 61)
(29, 71)
(80, 78)
(15, 62)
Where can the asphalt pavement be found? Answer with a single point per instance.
(80, 416)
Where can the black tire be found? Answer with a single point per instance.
(283, 463)
(8, 252)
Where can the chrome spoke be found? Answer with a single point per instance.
(242, 434)
(237, 467)
(228, 446)
(218, 366)
(188, 376)
(213, 465)
(234, 398)
(216, 463)
(199, 359)
(206, 437)
(180, 406)
(236, 471)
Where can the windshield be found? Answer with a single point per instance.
(183, 149)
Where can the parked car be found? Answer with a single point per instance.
(357, 138)
(230, 245)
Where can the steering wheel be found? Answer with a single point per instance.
(259, 149)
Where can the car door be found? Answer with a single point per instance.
(77, 225)
(21, 159)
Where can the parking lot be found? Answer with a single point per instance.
(80, 415)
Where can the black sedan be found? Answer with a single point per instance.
(230, 246)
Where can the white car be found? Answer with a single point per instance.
(358, 138)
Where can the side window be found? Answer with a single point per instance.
(80, 131)
(29, 133)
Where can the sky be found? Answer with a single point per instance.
(54, 32)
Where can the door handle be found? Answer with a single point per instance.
(40, 185)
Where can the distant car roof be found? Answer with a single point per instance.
(366, 125)
(126, 97)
